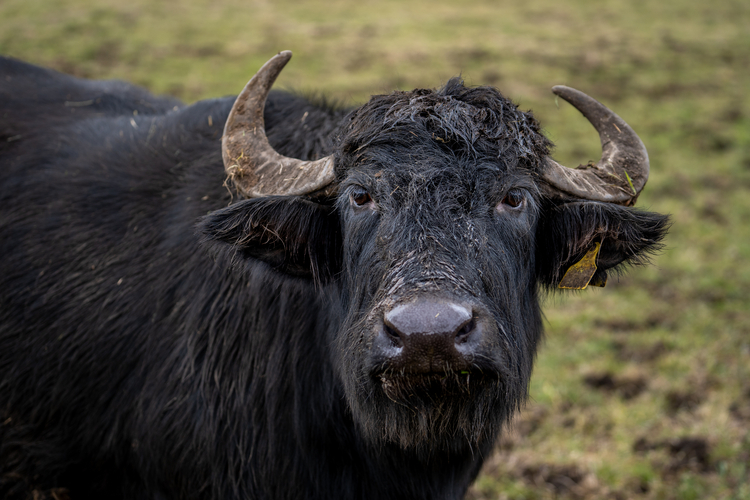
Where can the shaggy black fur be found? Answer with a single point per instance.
(142, 358)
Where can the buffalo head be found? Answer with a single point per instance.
(431, 229)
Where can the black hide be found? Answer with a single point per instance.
(162, 339)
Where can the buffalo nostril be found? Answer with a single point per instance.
(392, 335)
(464, 333)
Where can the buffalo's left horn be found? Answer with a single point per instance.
(620, 174)
(250, 161)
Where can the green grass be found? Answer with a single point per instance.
(677, 70)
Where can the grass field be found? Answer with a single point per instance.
(643, 388)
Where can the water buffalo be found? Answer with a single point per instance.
(274, 298)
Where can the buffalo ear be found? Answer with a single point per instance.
(566, 232)
(291, 234)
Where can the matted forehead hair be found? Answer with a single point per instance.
(473, 121)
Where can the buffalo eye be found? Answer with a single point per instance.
(513, 200)
(359, 198)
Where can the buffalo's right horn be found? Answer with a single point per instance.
(252, 164)
(620, 174)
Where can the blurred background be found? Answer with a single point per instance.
(642, 389)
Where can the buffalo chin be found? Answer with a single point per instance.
(434, 412)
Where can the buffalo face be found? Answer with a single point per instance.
(438, 224)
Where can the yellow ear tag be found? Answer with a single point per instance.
(579, 275)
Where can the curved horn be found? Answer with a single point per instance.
(250, 161)
(620, 174)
